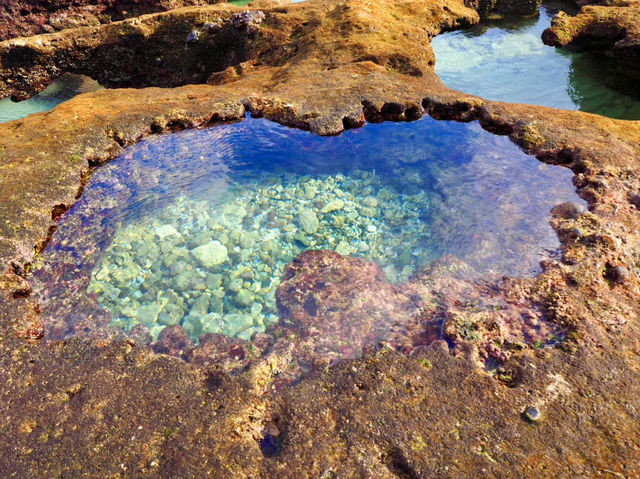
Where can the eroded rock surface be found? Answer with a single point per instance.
(23, 18)
(612, 27)
(105, 405)
(162, 49)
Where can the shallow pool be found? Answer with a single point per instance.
(195, 228)
(63, 89)
(506, 60)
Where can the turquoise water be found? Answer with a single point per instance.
(63, 89)
(506, 60)
(195, 228)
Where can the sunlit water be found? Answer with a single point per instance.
(63, 89)
(506, 60)
(195, 228)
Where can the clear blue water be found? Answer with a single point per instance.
(63, 89)
(506, 60)
(195, 227)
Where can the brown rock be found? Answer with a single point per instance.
(568, 210)
(22, 18)
(174, 341)
(613, 28)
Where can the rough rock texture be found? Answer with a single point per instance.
(613, 28)
(22, 18)
(102, 405)
(509, 7)
(153, 50)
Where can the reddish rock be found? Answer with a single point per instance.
(174, 341)
(228, 354)
(339, 304)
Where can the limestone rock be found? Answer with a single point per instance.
(165, 230)
(333, 205)
(210, 254)
(308, 221)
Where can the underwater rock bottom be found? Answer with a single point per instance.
(194, 230)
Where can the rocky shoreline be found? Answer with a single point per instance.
(24, 18)
(107, 405)
(611, 28)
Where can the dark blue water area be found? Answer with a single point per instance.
(506, 60)
(219, 212)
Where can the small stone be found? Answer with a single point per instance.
(303, 239)
(199, 239)
(248, 241)
(200, 305)
(568, 210)
(148, 314)
(343, 248)
(165, 230)
(246, 334)
(235, 323)
(256, 309)
(372, 228)
(211, 27)
(245, 297)
(211, 323)
(168, 319)
(234, 214)
(193, 36)
(619, 274)
(532, 414)
(140, 334)
(210, 254)
(368, 212)
(371, 201)
(310, 191)
(213, 281)
(235, 286)
(211, 328)
(634, 199)
(333, 205)
(177, 268)
(308, 221)
(249, 20)
(246, 274)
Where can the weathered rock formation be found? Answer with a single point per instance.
(612, 28)
(163, 50)
(23, 18)
(505, 7)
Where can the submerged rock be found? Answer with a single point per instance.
(165, 230)
(308, 221)
(210, 254)
(333, 205)
(174, 341)
(148, 314)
